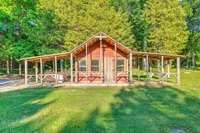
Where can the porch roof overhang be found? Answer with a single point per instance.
(155, 55)
(46, 57)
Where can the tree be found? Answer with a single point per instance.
(83, 18)
(167, 26)
(192, 49)
(27, 30)
(134, 9)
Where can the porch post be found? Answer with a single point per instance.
(56, 69)
(20, 69)
(115, 63)
(76, 70)
(86, 60)
(130, 68)
(26, 72)
(178, 70)
(138, 67)
(41, 70)
(36, 72)
(71, 63)
(101, 58)
(162, 67)
(168, 69)
(147, 65)
(158, 68)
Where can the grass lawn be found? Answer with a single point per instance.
(94, 110)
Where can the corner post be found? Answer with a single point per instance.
(36, 72)
(178, 70)
(56, 69)
(26, 72)
(41, 70)
(71, 64)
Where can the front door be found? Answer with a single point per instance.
(108, 65)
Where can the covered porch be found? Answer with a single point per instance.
(64, 69)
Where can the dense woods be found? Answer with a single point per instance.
(36, 27)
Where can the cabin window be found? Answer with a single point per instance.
(95, 65)
(82, 65)
(120, 65)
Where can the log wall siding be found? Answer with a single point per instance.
(94, 53)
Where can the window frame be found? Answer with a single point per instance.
(81, 66)
(122, 69)
(97, 66)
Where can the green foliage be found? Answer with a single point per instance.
(168, 29)
(134, 9)
(193, 13)
(27, 29)
(83, 18)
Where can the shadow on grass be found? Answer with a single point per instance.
(19, 105)
(138, 109)
(143, 110)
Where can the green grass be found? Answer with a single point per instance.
(103, 109)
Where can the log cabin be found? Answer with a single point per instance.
(100, 59)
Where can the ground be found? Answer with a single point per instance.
(138, 109)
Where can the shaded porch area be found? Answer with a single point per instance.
(62, 68)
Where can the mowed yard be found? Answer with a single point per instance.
(136, 109)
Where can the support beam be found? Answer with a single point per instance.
(158, 69)
(71, 64)
(138, 66)
(36, 72)
(86, 61)
(115, 63)
(147, 66)
(130, 67)
(101, 60)
(56, 69)
(162, 68)
(76, 71)
(41, 71)
(20, 69)
(168, 69)
(178, 70)
(26, 71)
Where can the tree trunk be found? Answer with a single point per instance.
(7, 66)
(193, 60)
(11, 64)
